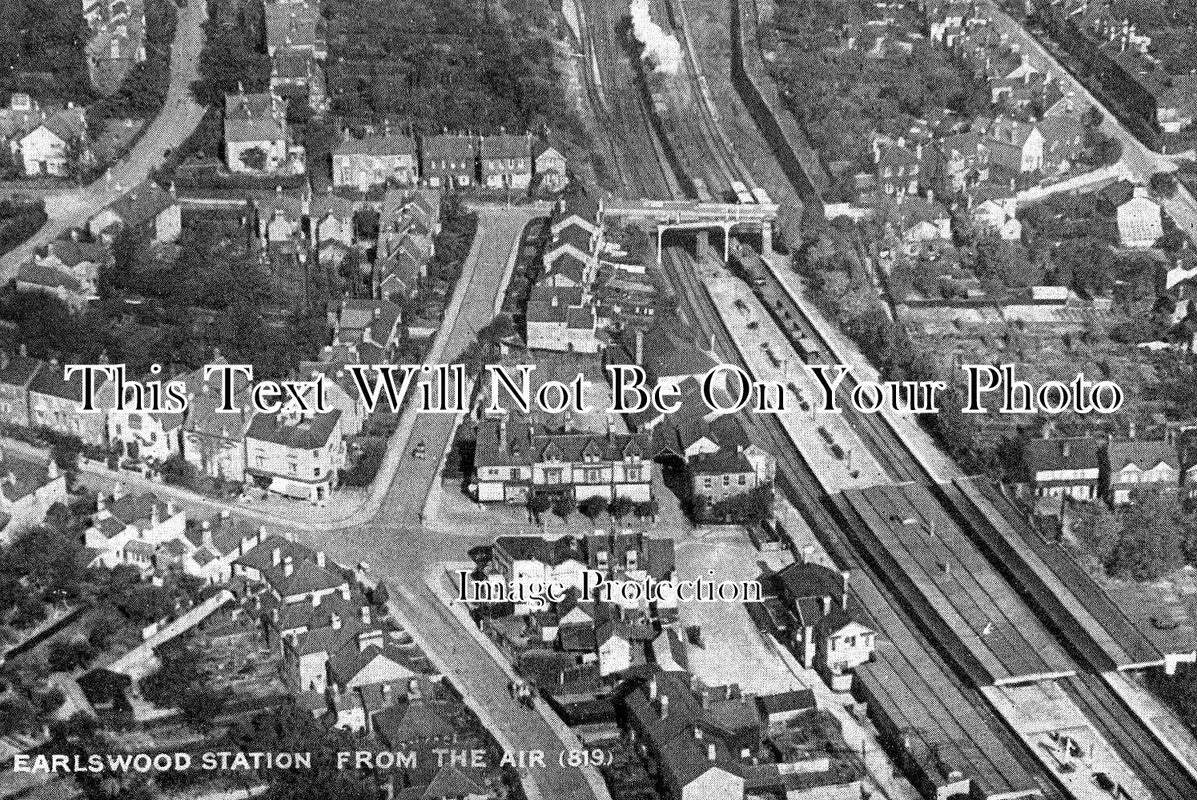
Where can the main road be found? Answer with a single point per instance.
(392, 539)
(176, 121)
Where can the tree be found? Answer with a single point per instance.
(647, 509)
(564, 505)
(253, 158)
(593, 507)
(1151, 544)
(66, 654)
(621, 507)
(1163, 183)
(1099, 532)
(538, 504)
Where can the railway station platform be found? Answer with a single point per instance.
(948, 583)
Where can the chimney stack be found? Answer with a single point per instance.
(288, 567)
(365, 615)
(711, 752)
(652, 688)
(320, 559)
(664, 706)
(335, 622)
(276, 557)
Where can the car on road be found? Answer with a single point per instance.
(420, 451)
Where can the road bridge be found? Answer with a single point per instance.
(699, 216)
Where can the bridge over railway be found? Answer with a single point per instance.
(699, 215)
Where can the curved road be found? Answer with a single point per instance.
(179, 117)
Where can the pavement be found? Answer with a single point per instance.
(178, 118)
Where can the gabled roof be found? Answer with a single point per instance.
(1144, 454)
(68, 124)
(724, 461)
(552, 552)
(351, 661)
(50, 381)
(142, 203)
(254, 118)
(416, 721)
(307, 576)
(454, 147)
(505, 146)
(1050, 455)
(18, 370)
(35, 274)
(450, 782)
(299, 432)
(261, 556)
(796, 700)
(20, 477)
(378, 146)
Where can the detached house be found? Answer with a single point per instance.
(257, 136)
(722, 474)
(1176, 105)
(550, 168)
(146, 206)
(994, 208)
(825, 636)
(67, 269)
(53, 146)
(1135, 464)
(530, 559)
(1140, 220)
(295, 25)
(898, 167)
(16, 374)
(117, 41)
(28, 487)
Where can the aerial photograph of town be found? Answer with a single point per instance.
(598, 399)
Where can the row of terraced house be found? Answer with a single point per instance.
(259, 140)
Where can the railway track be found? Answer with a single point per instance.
(955, 709)
(699, 148)
(1135, 744)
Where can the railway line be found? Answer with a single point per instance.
(946, 715)
(953, 713)
(1134, 743)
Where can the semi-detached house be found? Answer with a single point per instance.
(1134, 464)
(1065, 467)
